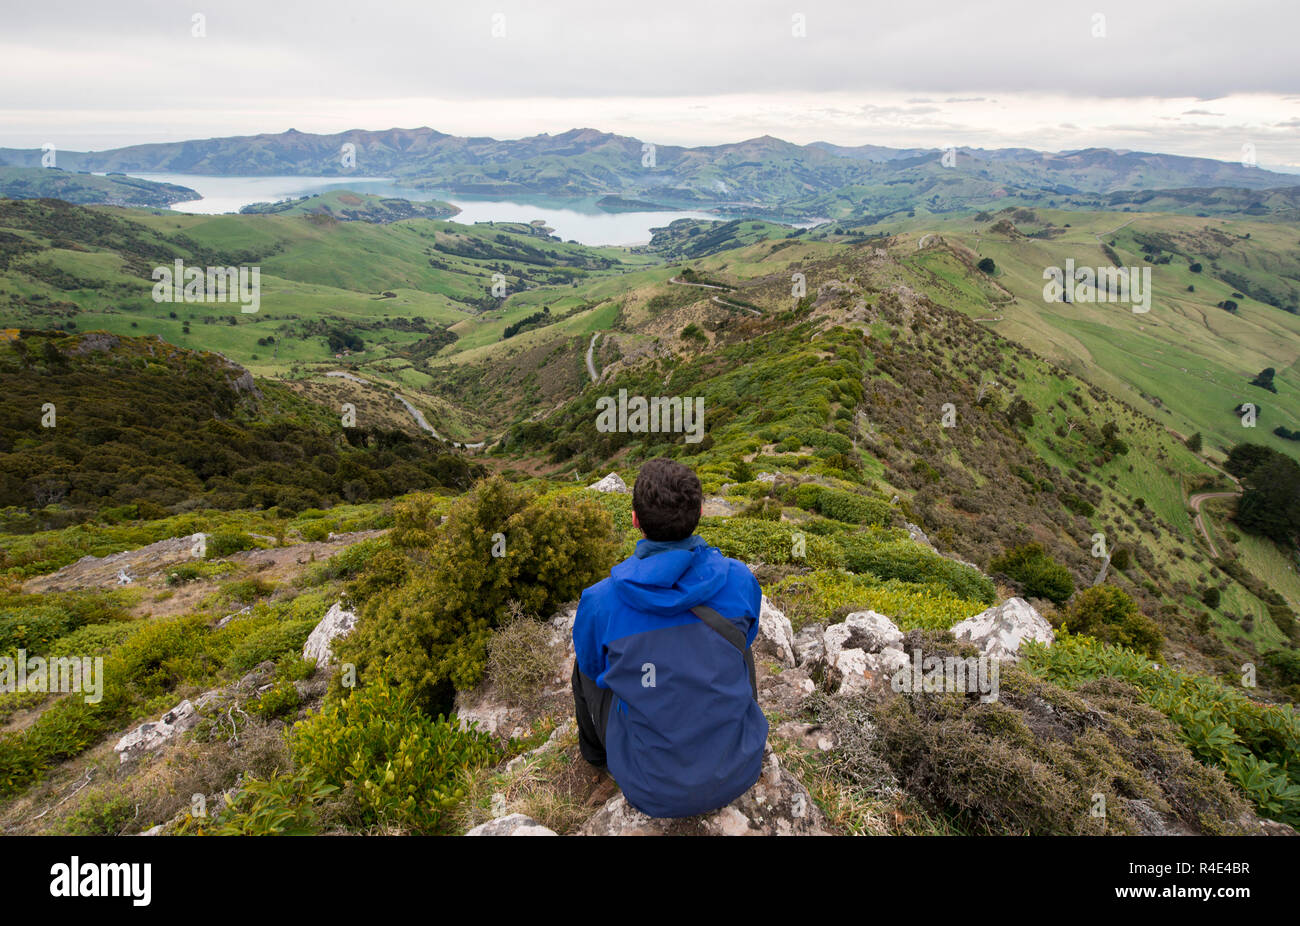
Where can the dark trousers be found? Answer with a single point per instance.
(591, 707)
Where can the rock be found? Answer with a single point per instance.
(336, 623)
(149, 737)
(869, 631)
(999, 631)
(861, 652)
(765, 477)
(230, 617)
(777, 805)
(611, 483)
(918, 535)
(807, 644)
(775, 635)
(715, 506)
(783, 691)
(516, 824)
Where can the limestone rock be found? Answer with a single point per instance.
(611, 483)
(777, 805)
(775, 635)
(516, 824)
(336, 623)
(999, 631)
(807, 644)
(149, 737)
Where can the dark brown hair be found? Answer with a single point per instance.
(666, 499)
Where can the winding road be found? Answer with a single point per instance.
(1195, 503)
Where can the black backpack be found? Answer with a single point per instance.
(733, 635)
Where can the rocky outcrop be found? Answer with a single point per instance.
(336, 623)
(611, 483)
(775, 635)
(862, 652)
(516, 824)
(149, 737)
(999, 631)
(777, 805)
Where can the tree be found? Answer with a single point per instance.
(987, 266)
(1264, 379)
(1110, 615)
(1194, 442)
(1194, 267)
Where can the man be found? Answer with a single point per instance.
(664, 693)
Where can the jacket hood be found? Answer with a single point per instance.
(670, 581)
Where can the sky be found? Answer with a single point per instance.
(1189, 77)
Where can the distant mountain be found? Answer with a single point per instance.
(89, 189)
(762, 175)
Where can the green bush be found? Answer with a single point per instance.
(824, 595)
(1038, 575)
(911, 562)
(433, 628)
(842, 506)
(270, 642)
(396, 766)
(1110, 615)
(223, 543)
(753, 540)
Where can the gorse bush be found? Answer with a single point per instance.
(843, 506)
(911, 562)
(1038, 575)
(1031, 762)
(394, 764)
(753, 540)
(823, 595)
(1110, 615)
(433, 627)
(1257, 745)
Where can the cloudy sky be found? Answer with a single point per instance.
(1186, 77)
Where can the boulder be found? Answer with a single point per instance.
(861, 652)
(516, 824)
(336, 623)
(611, 483)
(149, 737)
(777, 805)
(775, 635)
(869, 631)
(807, 644)
(999, 631)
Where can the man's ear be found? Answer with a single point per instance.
(636, 523)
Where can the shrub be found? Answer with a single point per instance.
(434, 626)
(395, 765)
(753, 541)
(1210, 597)
(1110, 615)
(1031, 762)
(223, 543)
(1257, 745)
(1038, 575)
(823, 595)
(911, 562)
(520, 661)
(270, 642)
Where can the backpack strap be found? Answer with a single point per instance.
(733, 635)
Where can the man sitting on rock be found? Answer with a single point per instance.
(663, 682)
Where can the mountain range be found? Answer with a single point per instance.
(762, 175)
